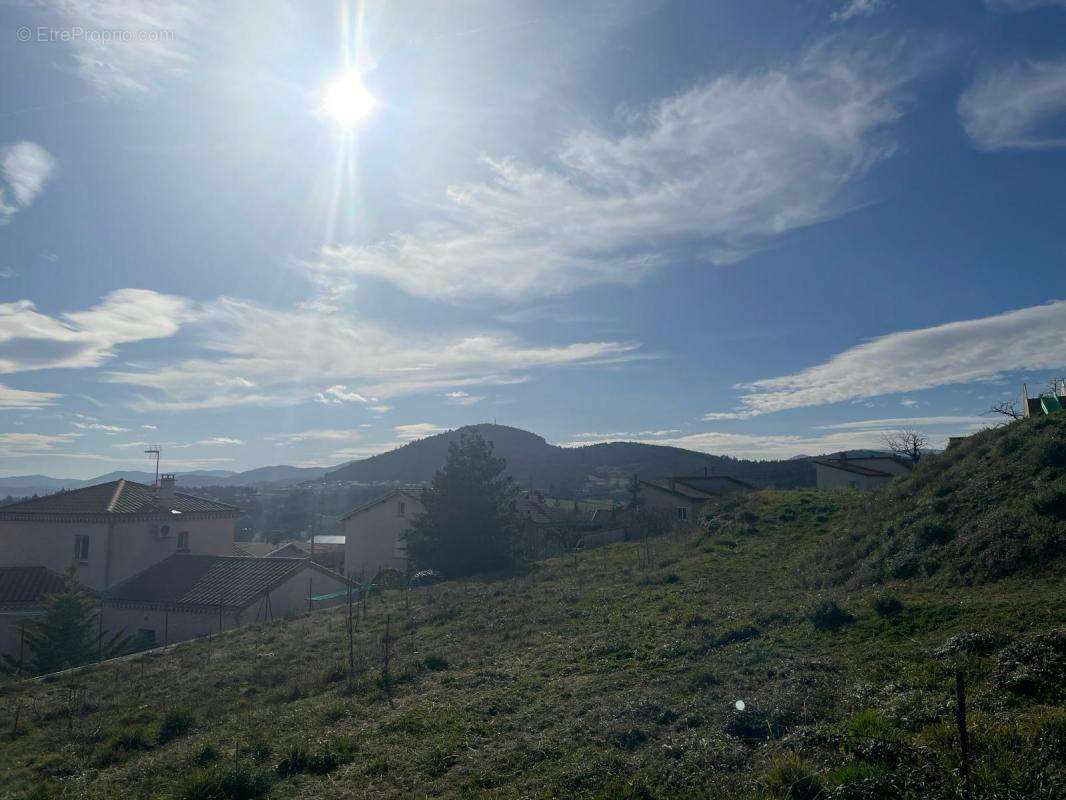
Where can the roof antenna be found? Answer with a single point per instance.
(156, 451)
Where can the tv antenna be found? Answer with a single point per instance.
(154, 451)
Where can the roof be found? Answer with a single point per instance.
(414, 492)
(117, 498)
(539, 512)
(28, 585)
(258, 549)
(698, 487)
(197, 580)
(858, 469)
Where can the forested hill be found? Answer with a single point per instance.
(595, 469)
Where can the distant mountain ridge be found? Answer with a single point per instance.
(276, 476)
(598, 469)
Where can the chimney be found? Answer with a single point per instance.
(166, 487)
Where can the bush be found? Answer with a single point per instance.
(174, 725)
(299, 760)
(435, 663)
(132, 739)
(887, 605)
(208, 754)
(826, 615)
(791, 779)
(239, 783)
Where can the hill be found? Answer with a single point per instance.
(594, 470)
(613, 674)
(991, 506)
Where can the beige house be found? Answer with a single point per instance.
(111, 531)
(373, 533)
(682, 496)
(187, 596)
(859, 472)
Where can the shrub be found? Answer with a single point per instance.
(705, 679)
(132, 739)
(238, 783)
(175, 724)
(208, 754)
(741, 633)
(435, 663)
(791, 779)
(887, 605)
(1051, 453)
(826, 615)
(299, 760)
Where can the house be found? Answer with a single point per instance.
(186, 596)
(327, 550)
(683, 495)
(842, 471)
(112, 531)
(22, 594)
(374, 533)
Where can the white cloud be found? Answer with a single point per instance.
(714, 173)
(22, 400)
(129, 44)
(99, 426)
(149, 427)
(319, 434)
(359, 361)
(340, 394)
(220, 440)
(1016, 106)
(25, 168)
(14, 444)
(910, 402)
(621, 436)
(957, 422)
(463, 398)
(856, 8)
(30, 340)
(417, 430)
(1028, 339)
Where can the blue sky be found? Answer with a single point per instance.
(758, 229)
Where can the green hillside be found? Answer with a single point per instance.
(609, 674)
(596, 470)
(992, 506)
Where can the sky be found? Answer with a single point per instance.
(754, 229)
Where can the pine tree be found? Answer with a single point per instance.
(68, 634)
(470, 524)
(634, 496)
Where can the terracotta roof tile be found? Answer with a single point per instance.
(229, 581)
(116, 497)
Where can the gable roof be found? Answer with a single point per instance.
(845, 465)
(28, 585)
(698, 487)
(197, 580)
(119, 497)
(258, 549)
(415, 493)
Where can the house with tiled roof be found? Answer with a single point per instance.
(374, 532)
(22, 595)
(187, 596)
(865, 471)
(682, 496)
(111, 531)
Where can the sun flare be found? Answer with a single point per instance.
(347, 101)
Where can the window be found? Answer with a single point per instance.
(81, 547)
(183, 541)
(682, 513)
(401, 508)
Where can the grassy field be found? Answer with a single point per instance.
(612, 674)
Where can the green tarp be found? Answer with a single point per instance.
(1050, 403)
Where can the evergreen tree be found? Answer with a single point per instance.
(470, 523)
(68, 634)
(634, 495)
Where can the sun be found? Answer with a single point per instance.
(347, 101)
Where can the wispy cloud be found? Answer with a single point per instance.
(463, 398)
(25, 168)
(23, 400)
(129, 45)
(621, 436)
(100, 426)
(1016, 106)
(319, 435)
(714, 173)
(956, 422)
(857, 8)
(220, 440)
(338, 359)
(30, 340)
(417, 430)
(1022, 5)
(1028, 339)
(14, 444)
